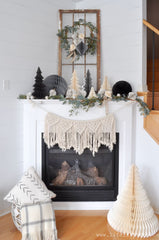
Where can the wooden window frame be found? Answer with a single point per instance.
(98, 55)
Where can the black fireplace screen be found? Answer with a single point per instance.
(82, 177)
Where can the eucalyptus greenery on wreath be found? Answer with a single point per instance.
(79, 45)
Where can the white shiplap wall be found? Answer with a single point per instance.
(27, 40)
(121, 43)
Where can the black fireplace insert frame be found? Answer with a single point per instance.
(84, 193)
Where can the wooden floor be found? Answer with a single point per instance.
(73, 225)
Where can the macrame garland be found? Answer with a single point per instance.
(80, 134)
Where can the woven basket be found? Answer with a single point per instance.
(16, 215)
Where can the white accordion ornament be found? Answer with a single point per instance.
(132, 213)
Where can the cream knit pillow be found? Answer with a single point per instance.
(30, 189)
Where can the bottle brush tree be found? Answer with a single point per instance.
(38, 87)
(88, 83)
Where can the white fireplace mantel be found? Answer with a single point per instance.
(33, 125)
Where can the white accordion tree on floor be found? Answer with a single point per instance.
(132, 213)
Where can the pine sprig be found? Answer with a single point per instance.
(59, 97)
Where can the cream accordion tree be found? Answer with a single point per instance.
(74, 88)
(105, 87)
(74, 83)
(132, 213)
(92, 93)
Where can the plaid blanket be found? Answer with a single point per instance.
(38, 222)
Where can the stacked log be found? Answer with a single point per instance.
(74, 176)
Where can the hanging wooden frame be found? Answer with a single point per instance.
(85, 64)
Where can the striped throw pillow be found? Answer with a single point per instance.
(30, 189)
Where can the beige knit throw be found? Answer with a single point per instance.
(80, 134)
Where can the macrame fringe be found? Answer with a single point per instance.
(80, 134)
(45, 235)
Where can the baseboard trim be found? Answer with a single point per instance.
(83, 205)
(5, 213)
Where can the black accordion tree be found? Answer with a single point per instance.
(39, 87)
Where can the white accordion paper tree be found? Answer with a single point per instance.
(132, 213)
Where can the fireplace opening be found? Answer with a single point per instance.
(84, 177)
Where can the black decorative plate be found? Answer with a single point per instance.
(122, 88)
(55, 82)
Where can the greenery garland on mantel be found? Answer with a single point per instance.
(85, 103)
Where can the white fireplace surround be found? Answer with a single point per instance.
(33, 120)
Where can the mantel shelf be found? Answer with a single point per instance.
(56, 101)
(57, 107)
